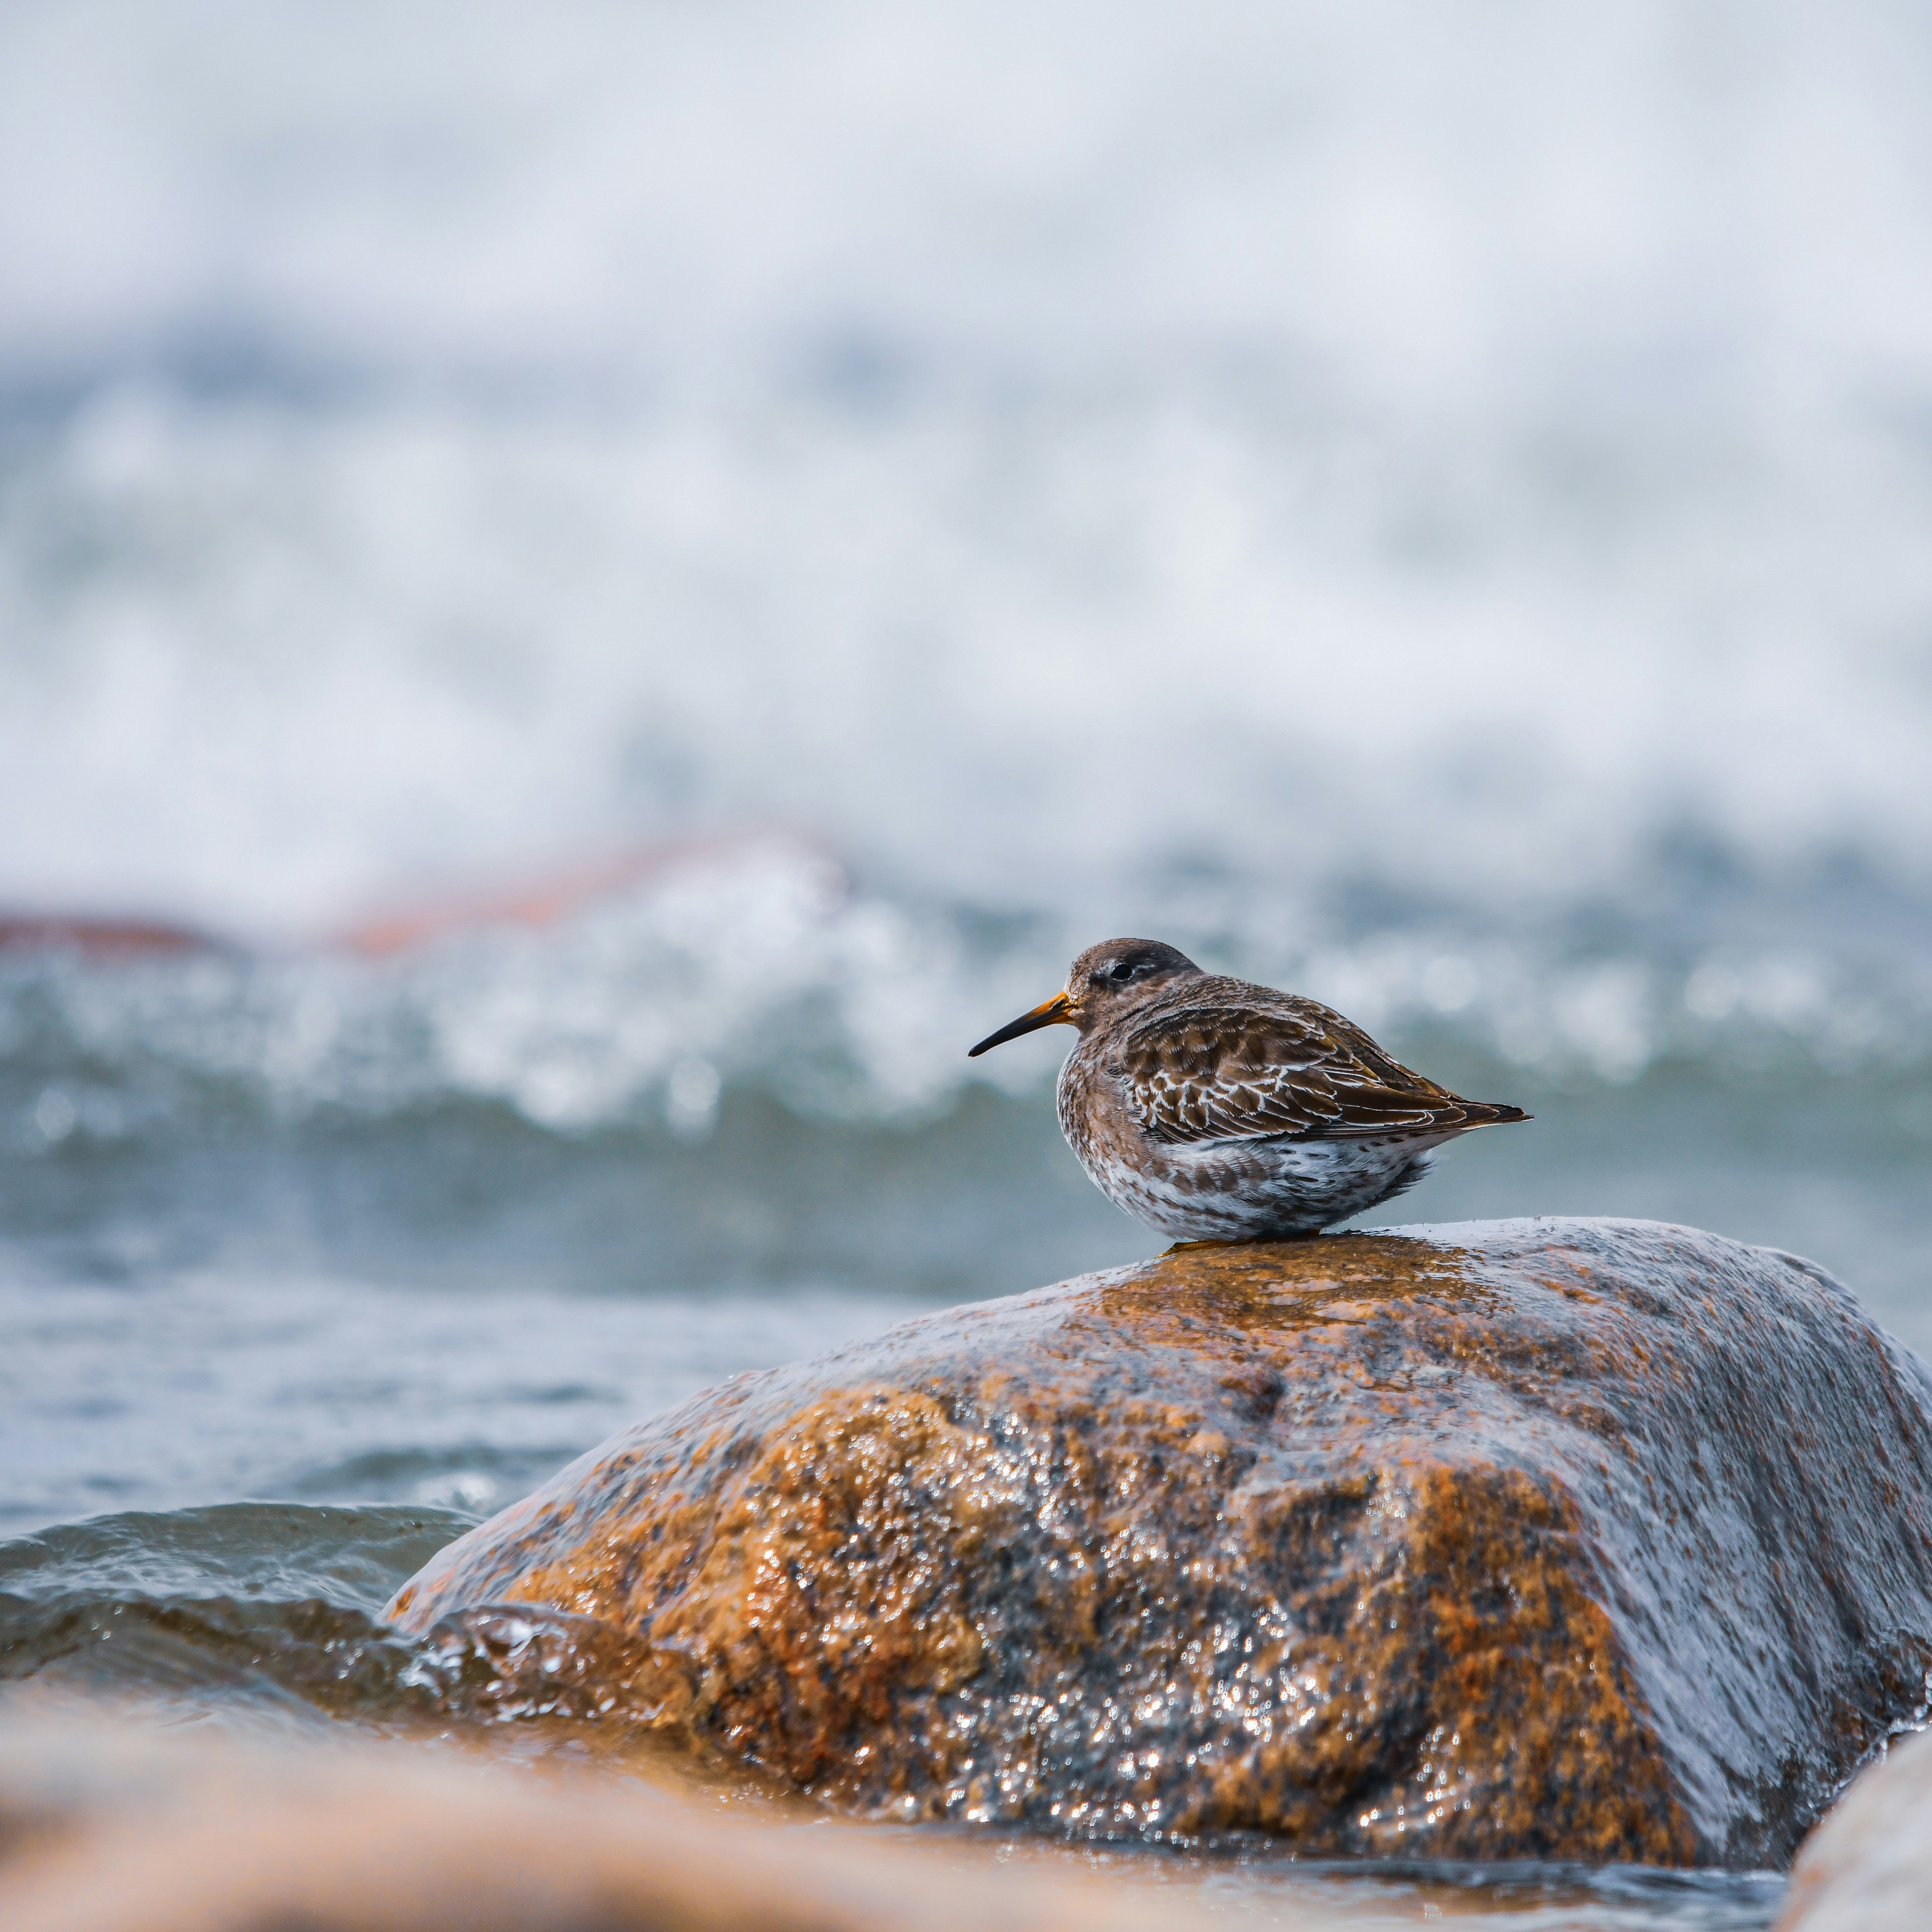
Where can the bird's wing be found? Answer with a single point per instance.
(1218, 1072)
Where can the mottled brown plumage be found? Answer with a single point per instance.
(1214, 1108)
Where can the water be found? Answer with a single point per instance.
(820, 522)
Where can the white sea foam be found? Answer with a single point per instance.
(267, 665)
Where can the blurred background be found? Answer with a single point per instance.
(588, 594)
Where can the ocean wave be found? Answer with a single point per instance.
(762, 971)
(247, 1605)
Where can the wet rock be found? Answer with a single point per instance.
(1868, 1866)
(1587, 1539)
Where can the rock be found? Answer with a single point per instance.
(568, 890)
(116, 1829)
(1601, 1539)
(1868, 1866)
(104, 938)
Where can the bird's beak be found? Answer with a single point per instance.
(1057, 1011)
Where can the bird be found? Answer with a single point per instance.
(1216, 1110)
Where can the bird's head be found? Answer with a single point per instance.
(1104, 979)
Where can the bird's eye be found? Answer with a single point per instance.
(1121, 971)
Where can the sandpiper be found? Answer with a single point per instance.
(1216, 1110)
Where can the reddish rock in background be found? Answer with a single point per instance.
(103, 937)
(566, 890)
(1591, 1539)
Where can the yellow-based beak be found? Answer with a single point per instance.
(1057, 1011)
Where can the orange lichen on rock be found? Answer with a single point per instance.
(1548, 1538)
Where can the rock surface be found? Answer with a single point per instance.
(1588, 1539)
(1868, 1866)
(113, 1829)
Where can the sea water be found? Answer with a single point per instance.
(641, 577)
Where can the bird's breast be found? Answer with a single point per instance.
(1094, 1114)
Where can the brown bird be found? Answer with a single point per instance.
(1215, 1110)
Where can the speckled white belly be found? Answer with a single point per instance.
(1248, 1189)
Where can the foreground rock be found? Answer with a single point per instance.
(113, 1829)
(1590, 1539)
(1868, 1866)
